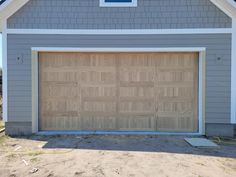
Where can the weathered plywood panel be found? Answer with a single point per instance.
(118, 91)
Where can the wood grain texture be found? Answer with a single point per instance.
(118, 91)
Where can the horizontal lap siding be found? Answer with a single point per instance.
(217, 75)
(86, 14)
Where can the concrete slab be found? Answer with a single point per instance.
(201, 142)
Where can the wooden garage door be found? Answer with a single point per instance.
(118, 91)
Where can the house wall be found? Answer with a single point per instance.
(149, 14)
(218, 60)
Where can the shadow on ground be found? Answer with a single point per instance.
(165, 144)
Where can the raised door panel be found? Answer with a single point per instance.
(176, 92)
(136, 92)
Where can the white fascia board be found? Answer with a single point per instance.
(5, 4)
(232, 2)
(8, 8)
(227, 6)
(121, 31)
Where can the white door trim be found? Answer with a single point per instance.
(35, 72)
(75, 49)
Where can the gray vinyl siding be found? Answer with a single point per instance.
(218, 72)
(149, 14)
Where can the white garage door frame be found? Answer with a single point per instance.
(35, 84)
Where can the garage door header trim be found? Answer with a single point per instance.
(201, 97)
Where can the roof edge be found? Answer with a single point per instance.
(8, 8)
(227, 6)
(232, 2)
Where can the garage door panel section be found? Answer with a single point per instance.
(177, 98)
(136, 74)
(118, 91)
(98, 97)
(59, 93)
(137, 122)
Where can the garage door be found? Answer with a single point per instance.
(118, 91)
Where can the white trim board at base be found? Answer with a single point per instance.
(141, 133)
(121, 31)
(201, 93)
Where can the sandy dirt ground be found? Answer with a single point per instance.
(113, 156)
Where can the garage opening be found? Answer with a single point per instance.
(118, 91)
